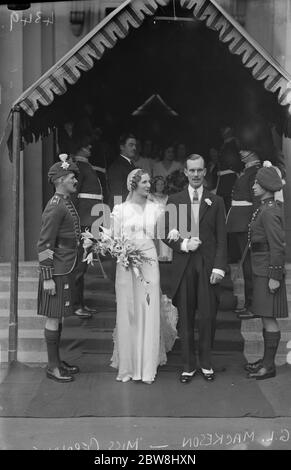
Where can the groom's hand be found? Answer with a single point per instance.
(193, 243)
(215, 278)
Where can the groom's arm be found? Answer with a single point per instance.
(171, 221)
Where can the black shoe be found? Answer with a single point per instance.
(93, 311)
(253, 366)
(59, 375)
(263, 373)
(208, 376)
(70, 369)
(186, 379)
(81, 313)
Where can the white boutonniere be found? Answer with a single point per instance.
(208, 201)
(173, 235)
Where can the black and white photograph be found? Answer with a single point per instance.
(145, 211)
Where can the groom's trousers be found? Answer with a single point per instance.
(196, 299)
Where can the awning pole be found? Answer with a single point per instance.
(13, 317)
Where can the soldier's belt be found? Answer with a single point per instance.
(241, 203)
(90, 196)
(257, 247)
(67, 243)
(225, 172)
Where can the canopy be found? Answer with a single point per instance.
(116, 26)
(154, 103)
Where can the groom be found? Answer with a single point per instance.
(199, 262)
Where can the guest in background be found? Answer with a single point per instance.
(243, 204)
(65, 138)
(159, 196)
(120, 169)
(230, 166)
(212, 170)
(181, 153)
(158, 190)
(168, 164)
(145, 163)
(267, 238)
(89, 193)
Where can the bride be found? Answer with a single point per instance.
(146, 320)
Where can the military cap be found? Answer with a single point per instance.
(269, 178)
(62, 168)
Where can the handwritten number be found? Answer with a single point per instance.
(14, 18)
(48, 20)
(38, 17)
(25, 20)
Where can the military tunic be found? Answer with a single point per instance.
(58, 255)
(239, 215)
(267, 239)
(89, 192)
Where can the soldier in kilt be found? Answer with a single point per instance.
(57, 253)
(267, 242)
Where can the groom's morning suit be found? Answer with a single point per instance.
(189, 285)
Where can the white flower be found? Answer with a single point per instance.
(63, 157)
(173, 235)
(86, 234)
(87, 243)
(89, 259)
(208, 201)
(267, 164)
(136, 272)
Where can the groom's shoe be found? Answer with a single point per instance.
(59, 375)
(186, 377)
(207, 375)
(69, 368)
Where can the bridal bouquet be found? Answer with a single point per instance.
(121, 248)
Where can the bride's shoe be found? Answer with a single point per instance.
(124, 379)
(149, 382)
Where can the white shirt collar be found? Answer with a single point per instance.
(126, 158)
(199, 191)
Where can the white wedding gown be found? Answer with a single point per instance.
(146, 320)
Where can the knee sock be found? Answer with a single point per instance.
(52, 343)
(271, 341)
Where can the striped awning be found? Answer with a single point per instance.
(131, 14)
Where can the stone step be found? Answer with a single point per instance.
(25, 268)
(28, 299)
(249, 326)
(28, 319)
(101, 340)
(30, 268)
(28, 284)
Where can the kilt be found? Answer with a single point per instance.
(58, 305)
(265, 304)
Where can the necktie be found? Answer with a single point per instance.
(195, 213)
(195, 199)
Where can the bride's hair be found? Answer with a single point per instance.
(135, 178)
